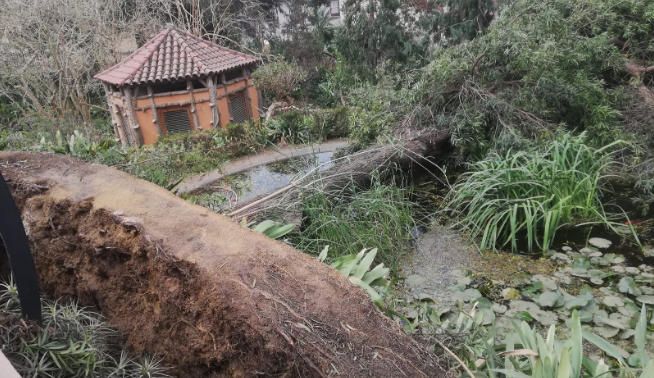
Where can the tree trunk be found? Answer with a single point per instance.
(210, 297)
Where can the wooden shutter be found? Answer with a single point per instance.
(238, 107)
(177, 121)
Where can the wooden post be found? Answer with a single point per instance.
(213, 104)
(196, 118)
(223, 80)
(248, 100)
(115, 117)
(153, 108)
(133, 129)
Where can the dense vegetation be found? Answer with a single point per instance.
(549, 104)
(72, 342)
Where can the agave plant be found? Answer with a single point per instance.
(357, 269)
(273, 230)
(528, 354)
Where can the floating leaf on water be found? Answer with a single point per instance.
(581, 263)
(645, 268)
(499, 308)
(646, 299)
(630, 309)
(468, 295)
(615, 320)
(600, 243)
(546, 318)
(572, 302)
(627, 285)
(561, 257)
(627, 333)
(613, 301)
(606, 332)
(548, 283)
(598, 315)
(550, 299)
(618, 269)
(618, 259)
(632, 270)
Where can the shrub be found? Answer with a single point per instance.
(292, 127)
(379, 217)
(72, 342)
(278, 80)
(531, 194)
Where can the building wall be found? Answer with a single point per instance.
(149, 122)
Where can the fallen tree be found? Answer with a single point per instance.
(418, 152)
(210, 297)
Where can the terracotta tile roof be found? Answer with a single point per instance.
(172, 55)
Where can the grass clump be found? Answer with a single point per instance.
(529, 195)
(71, 342)
(380, 217)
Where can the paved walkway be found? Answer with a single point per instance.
(268, 156)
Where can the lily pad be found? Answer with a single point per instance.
(550, 299)
(646, 299)
(600, 243)
(468, 295)
(572, 302)
(613, 301)
(548, 283)
(632, 270)
(606, 332)
(627, 285)
(499, 308)
(615, 320)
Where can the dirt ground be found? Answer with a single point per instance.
(210, 297)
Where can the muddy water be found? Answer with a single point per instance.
(265, 179)
(440, 260)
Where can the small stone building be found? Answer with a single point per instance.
(177, 82)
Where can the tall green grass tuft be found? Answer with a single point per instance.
(380, 217)
(529, 195)
(72, 342)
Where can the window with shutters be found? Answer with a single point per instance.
(177, 121)
(238, 107)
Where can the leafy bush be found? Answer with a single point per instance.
(292, 127)
(531, 194)
(278, 80)
(380, 216)
(540, 65)
(72, 342)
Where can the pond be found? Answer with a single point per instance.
(241, 188)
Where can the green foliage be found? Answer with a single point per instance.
(72, 342)
(533, 193)
(299, 127)
(357, 268)
(279, 79)
(464, 20)
(526, 353)
(380, 216)
(373, 32)
(272, 229)
(540, 65)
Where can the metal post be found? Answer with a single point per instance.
(12, 234)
